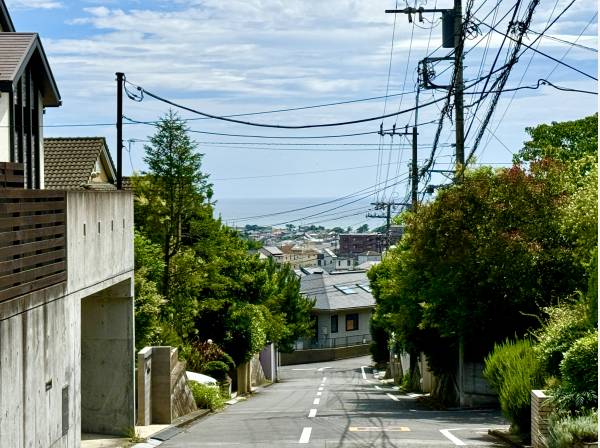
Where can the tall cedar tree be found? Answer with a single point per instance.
(174, 189)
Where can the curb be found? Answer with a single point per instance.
(173, 430)
(507, 438)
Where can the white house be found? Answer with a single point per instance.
(343, 308)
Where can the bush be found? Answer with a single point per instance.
(206, 397)
(512, 370)
(568, 432)
(217, 369)
(198, 354)
(579, 367)
(566, 324)
(568, 401)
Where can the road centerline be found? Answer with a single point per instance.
(305, 436)
(312, 413)
(362, 371)
(316, 401)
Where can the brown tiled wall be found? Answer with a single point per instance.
(540, 411)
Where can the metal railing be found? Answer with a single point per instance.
(335, 342)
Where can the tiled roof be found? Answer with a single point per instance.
(16, 51)
(327, 290)
(69, 162)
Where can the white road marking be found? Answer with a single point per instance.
(321, 388)
(393, 397)
(362, 371)
(322, 368)
(322, 385)
(316, 401)
(312, 413)
(455, 440)
(414, 395)
(369, 381)
(305, 437)
(324, 379)
(377, 387)
(319, 394)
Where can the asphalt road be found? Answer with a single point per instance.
(335, 405)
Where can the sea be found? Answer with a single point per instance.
(279, 212)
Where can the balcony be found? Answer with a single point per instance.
(51, 237)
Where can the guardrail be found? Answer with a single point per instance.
(32, 238)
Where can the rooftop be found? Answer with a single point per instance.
(338, 292)
(70, 162)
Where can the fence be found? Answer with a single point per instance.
(32, 238)
(335, 342)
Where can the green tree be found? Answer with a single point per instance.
(171, 191)
(364, 228)
(563, 141)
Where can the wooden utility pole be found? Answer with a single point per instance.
(120, 79)
(458, 88)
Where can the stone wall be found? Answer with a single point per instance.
(323, 354)
(540, 411)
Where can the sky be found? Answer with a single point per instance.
(243, 56)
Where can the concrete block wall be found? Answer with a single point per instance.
(540, 412)
(477, 391)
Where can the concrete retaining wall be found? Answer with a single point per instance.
(477, 391)
(323, 355)
(162, 390)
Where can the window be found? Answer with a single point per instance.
(334, 323)
(351, 322)
(364, 287)
(346, 289)
(348, 262)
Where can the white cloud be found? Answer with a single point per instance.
(34, 4)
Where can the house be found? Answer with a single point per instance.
(343, 308)
(66, 274)
(368, 256)
(78, 163)
(329, 261)
(298, 256)
(353, 244)
(272, 252)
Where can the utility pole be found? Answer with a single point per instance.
(414, 169)
(381, 205)
(414, 172)
(120, 78)
(452, 25)
(458, 88)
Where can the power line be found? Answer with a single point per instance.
(530, 47)
(279, 126)
(572, 44)
(293, 137)
(295, 173)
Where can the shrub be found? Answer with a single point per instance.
(566, 324)
(567, 401)
(568, 432)
(512, 370)
(206, 397)
(217, 369)
(579, 367)
(198, 354)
